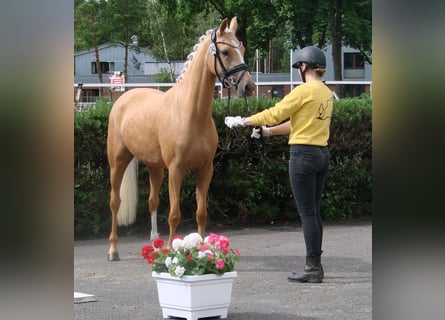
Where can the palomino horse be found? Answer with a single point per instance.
(172, 130)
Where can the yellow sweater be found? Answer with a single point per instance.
(309, 107)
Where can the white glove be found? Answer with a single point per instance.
(232, 122)
(258, 132)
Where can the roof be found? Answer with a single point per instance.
(110, 45)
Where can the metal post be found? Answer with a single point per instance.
(78, 92)
(290, 67)
(256, 60)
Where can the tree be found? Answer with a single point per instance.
(335, 15)
(357, 27)
(165, 42)
(186, 11)
(124, 21)
(169, 28)
(351, 24)
(89, 27)
(340, 22)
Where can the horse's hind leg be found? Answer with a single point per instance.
(117, 169)
(203, 179)
(156, 176)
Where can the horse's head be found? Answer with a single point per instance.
(228, 62)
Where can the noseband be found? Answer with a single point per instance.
(227, 81)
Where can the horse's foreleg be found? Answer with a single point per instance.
(156, 176)
(203, 179)
(175, 178)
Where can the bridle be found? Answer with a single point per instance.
(227, 81)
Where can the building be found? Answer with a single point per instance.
(142, 67)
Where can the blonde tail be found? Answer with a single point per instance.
(129, 195)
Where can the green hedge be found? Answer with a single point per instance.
(250, 182)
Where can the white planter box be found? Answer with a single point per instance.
(194, 297)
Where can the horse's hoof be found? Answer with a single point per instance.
(113, 256)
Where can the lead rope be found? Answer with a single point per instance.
(246, 106)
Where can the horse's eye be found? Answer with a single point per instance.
(225, 53)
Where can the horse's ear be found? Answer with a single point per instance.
(222, 26)
(233, 24)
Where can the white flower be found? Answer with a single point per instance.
(168, 261)
(177, 244)
(175, 260)
(179, 271)
(202, 254)
(191, 240)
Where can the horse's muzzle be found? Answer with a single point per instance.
(246, 85)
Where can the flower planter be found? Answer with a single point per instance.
(194, 297)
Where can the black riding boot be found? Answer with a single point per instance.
(313, 271)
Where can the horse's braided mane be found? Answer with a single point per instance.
(190, 56)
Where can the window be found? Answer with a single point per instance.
(354, 66)
(354, 61)
(90, 95)
(104, 66)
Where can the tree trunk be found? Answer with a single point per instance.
(98, 68)
(126, 62)
(335, 10)
(167, 58)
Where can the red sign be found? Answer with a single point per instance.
(115, 79)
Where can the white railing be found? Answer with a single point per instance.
(217, 84)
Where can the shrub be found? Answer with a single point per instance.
(250, 181)
(91, 185)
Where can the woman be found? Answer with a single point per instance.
(308, 108)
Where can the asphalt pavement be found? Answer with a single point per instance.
(126, 290)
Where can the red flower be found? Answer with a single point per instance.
(189, 257)
(147, 250)
(165, 250)
(150, 259)
(158, 243)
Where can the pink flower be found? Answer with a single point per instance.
(219, 264)
(237, 252)
(211, 238)
(210, 256)
(222, 242)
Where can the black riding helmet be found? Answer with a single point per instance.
(311, 55)
(314, 57)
